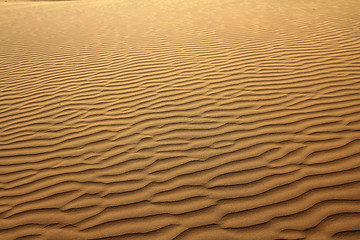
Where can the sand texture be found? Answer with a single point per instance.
(180, 119)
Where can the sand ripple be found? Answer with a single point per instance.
(180, 120)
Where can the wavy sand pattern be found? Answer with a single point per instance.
(180, 119)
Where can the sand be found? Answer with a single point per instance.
(180, 119)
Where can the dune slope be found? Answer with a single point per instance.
(124, 119)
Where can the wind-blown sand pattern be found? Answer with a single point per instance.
(170, 119)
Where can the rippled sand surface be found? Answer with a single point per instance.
(180, 119)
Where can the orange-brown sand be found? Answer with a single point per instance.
(180, 119)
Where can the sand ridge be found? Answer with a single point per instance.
(180, 120)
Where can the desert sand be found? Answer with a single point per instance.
(180, 119)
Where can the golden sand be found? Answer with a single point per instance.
(180, 119)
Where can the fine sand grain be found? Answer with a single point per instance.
(180, 119)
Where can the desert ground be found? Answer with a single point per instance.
(180, 119)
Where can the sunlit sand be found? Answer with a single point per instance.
(180, 119)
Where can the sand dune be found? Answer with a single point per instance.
(124, 119)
